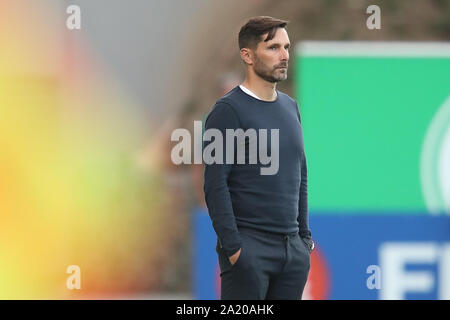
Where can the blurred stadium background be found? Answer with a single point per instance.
(86, 116)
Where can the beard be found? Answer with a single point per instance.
(270, 74)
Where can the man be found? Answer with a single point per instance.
(261, 221)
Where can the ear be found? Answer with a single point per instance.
(247, 55)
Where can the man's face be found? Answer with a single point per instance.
(271, 57)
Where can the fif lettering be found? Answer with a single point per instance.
(397, 281)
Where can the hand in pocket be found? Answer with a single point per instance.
(235, 257)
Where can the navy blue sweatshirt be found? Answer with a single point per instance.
(238, 195)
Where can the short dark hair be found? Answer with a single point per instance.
(251, 32)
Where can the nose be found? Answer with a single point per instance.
(284, 54)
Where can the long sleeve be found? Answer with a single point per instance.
(303, 196)
(303, 202)
(216, 190)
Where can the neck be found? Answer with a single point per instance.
(262, 88)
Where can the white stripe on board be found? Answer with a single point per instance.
(373, 49)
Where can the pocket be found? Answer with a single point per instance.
(236, 263)
(241, 261)
(224, 260)
(306, 244)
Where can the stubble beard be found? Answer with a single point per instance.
(270, 74)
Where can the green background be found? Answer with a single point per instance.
(364, 122)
